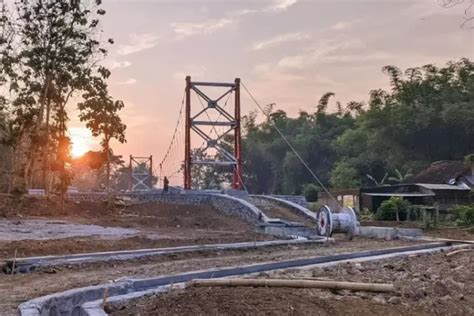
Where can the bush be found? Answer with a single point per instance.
(464, 215)
(311, 192)
(392, 209)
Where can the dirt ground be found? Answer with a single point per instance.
(159, 225)
(15, 289)
(444, 287)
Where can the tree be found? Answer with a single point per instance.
(49, 55)
(469, 162)
(425, 116)
(323, 102)
(378, 183)
(311, 192)
(392, 208)
(468, 17)
(401, 177)
(100, 113)
(344, 176)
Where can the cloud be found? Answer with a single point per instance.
(185, 29)
(280, 39)
(129, 81)
(120, 64)
(333, 51)
(280, 5)
(343, 25)
(243, 12)
(138, 43)
(193, 71)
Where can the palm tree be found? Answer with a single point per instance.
(399, 177)
(395, 75)
(378, 183)
(323, 102)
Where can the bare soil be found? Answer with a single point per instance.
(159, 225)
(430, 284)
(15, 289)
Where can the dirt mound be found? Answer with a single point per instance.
(182, 216)
(253, 301)
(157, 225)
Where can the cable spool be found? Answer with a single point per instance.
(344, 222)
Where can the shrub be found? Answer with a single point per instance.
(464, 215)
(311, 192)
(394, 208)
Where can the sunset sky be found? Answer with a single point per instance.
(289, 52)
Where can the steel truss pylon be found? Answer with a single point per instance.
(193, 123)
(140, 173)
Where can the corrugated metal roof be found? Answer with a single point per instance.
(400, 194)
(432, 186)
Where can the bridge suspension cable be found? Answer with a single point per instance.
(285, 139)
(170, 166)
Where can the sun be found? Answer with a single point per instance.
(78, 147)
(81, 141)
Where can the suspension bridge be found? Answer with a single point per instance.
(207, 133)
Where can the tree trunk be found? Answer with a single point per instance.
(107, 180)
(11, 180)
(46, 170)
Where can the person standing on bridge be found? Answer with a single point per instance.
(165, 184)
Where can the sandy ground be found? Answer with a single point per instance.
(36, 229)
(445, 286)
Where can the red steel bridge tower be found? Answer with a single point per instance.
(197, 122)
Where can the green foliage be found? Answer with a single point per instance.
(394, 208)
(100, 113)
(469, 162)
(376, 182)
(426, 116)
(401, 177)
(311, 192)
(49, 52)
(344, 176)
(464, 215)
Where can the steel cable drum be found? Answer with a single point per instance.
(328, 223)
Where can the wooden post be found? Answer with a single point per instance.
(353, 286)
(14, 261)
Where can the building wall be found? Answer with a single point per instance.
(349, 197)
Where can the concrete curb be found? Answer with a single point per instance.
(255, 212)
(296, 207)
(27, 264)
(73, 302)
(388, 233)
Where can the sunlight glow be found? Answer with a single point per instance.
(78, 147)
(81, 141)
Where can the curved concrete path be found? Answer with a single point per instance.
(291, 205)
